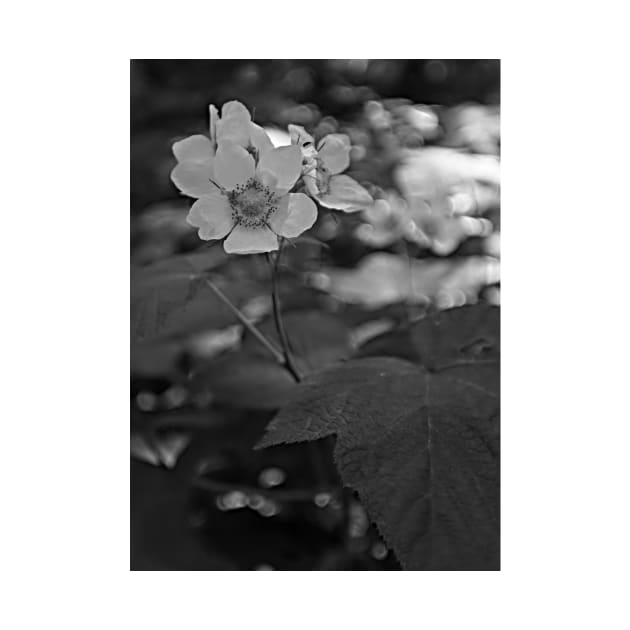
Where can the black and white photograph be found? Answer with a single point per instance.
(372, 317)
(315, 315)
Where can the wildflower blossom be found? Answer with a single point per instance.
(248, 200)
(241, 183)
(322, 168)
(235, 125)
(195, 154)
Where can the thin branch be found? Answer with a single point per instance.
(277, 355)
(277, 314)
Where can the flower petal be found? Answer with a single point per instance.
(245, 240)
(212, 214)
(267, 179)
(259, 139)
(285, 163)
(310, 181)
(234, 125)
(235, 109)
(195, 148)
(214, 117)
(193, 178)
(232, 166)
(334, 150)
(345, 194)
(299, 135)
(304, 140)
(295, 214)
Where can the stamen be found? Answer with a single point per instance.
(253, 151)
(252, 204)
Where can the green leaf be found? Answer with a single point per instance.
(172, 298)
(250, 379)
(460, 336)
(420, 448)
(419, 443)
(316, 339)
(245, 381)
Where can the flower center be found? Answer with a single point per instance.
(252, 203)
(323, 177)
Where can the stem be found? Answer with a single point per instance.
(321, 451)
(277, 355)
(277, 315)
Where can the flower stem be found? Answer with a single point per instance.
(321, 451)
(277, 315)
(277, 355)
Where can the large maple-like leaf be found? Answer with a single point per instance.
(420, 443)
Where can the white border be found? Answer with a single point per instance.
(65, 281)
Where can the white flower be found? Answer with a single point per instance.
(321, 170)
(195, 154)
(241, 183)
(235, 126)
(248, 199)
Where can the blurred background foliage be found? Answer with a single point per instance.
(425, 142)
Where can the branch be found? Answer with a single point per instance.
(277, 355)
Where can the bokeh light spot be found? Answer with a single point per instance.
(435, 71)
(379, 551)
(271, 477)
(231, 501)
(322, 499)
(146, 401)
